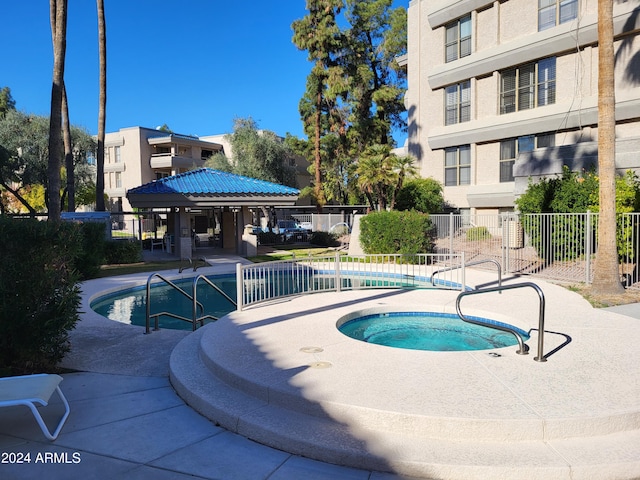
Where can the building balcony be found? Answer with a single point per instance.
(168, 160)
(114, 167)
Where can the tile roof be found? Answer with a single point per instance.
(206, 181)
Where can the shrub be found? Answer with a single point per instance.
(324, 239)
(39, 294)
(478, 233)
(122, 251)
(421, 194)
(574, 192)
(91, 255)
(406, 232)
(267, 238)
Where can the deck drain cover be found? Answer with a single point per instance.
(320, 365)
(311, 349)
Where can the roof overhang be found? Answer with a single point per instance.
(169, 200)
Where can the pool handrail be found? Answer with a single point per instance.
(156, 315)
(467, 264)
(523, 348)
(195, 301)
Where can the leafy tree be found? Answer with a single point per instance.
(377, 35)
(260, 154)
(7, 102)
(219, 161)
(421, 194)
(354, 90)
(319, 34)
(25, 139)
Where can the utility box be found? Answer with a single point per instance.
(515, 234)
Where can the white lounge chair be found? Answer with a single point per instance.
(31, 389)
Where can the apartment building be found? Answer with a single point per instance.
(137, 155)
(503, 91)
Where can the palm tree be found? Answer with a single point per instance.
(606, 275)
(376, 174)
(405, 167)
(58, 12)
(66, 129)
(102, 49)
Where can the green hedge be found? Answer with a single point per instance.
(323, 239)
(117, 252)
(91, 255)
(406, 232)
(39, 293)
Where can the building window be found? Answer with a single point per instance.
(458, 39)
(507, 159)
(556, 12)
(528, 86)
(545, 140)
(512, 147)
(457, 103)
(118, 158)
(118, 180)
(457, 166)
(107, 157)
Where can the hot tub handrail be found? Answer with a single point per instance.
(148, 300)
(523, 348)
(468, 264)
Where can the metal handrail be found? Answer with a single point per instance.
(468, 264)
(182, 267)
(195, 301)
(192, 264)
(148, 315)
(523, 348)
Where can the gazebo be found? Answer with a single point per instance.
(233, 200)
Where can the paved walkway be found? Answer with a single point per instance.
(127, 422)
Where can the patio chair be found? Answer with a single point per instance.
(31, 389)
(157, 242)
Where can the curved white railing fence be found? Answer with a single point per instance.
(258, 283)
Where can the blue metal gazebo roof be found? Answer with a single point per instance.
(208, 187)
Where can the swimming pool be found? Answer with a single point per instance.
(129, 305)
(432, 331)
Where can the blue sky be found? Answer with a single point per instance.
(194, 65)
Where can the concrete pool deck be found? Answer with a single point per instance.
(315, 392)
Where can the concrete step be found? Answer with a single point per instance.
(265, 416)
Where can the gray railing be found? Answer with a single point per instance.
(555, 246)
(523, 349)
(195, 319)
(263, 282)
(470, 264)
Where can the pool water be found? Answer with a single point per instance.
(427, 331)
(130, 306)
